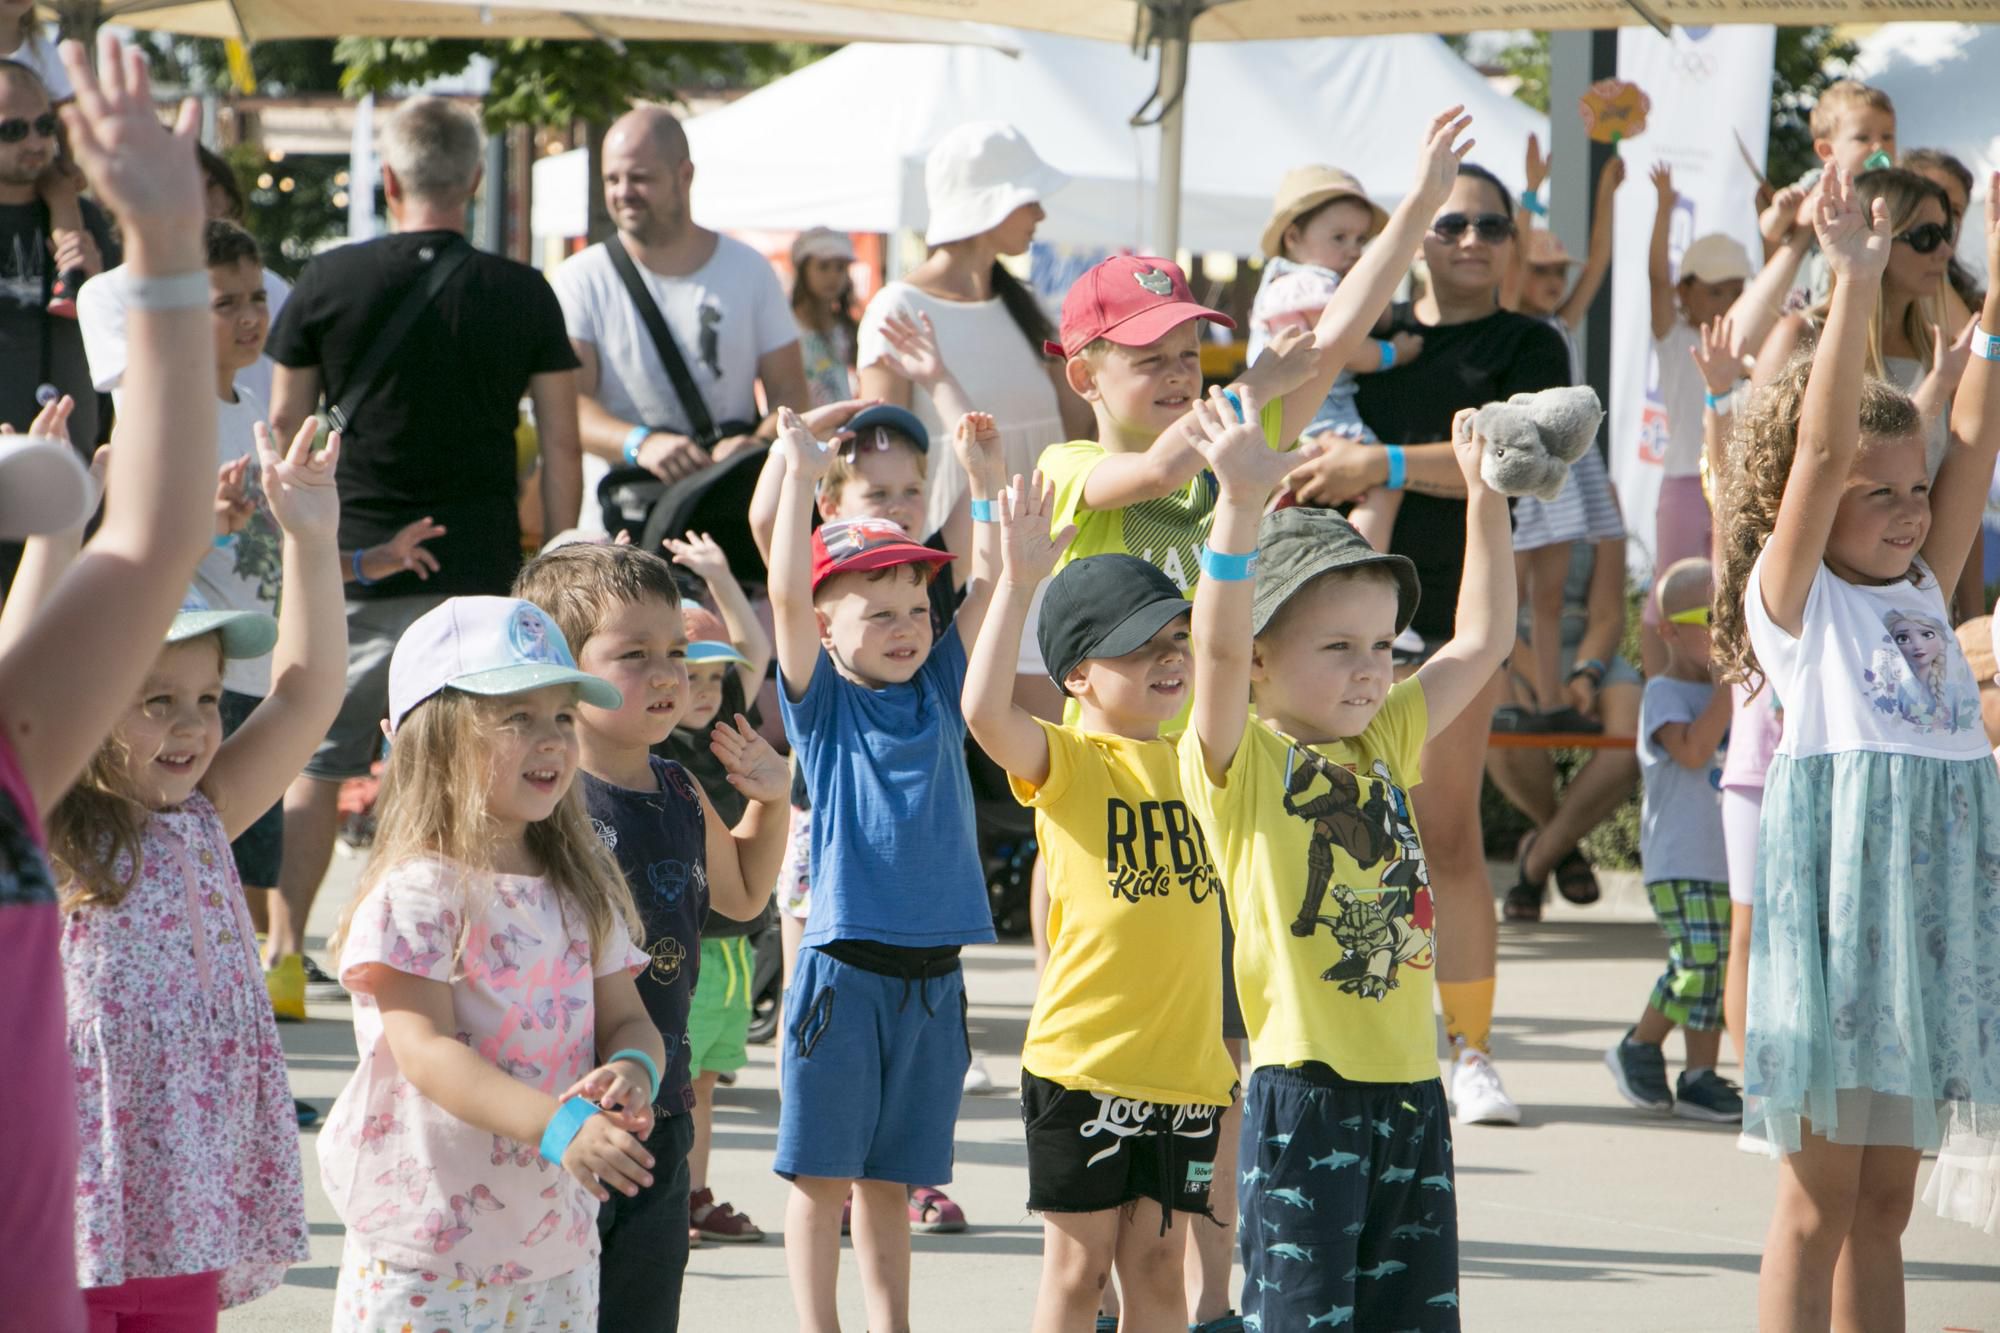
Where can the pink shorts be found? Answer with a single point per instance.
(1681, 531)
(190, 1303)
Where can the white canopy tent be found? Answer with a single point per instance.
(842, 142)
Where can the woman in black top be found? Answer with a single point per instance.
(1474, 353)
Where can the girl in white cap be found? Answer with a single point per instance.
(823, 305)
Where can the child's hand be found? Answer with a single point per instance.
(404, 553)
(754, 768)
(1950, 358)
(1467, 445)
(1028, 550)
(913, 349)
(52, 422)
(1781, 218)
(700, 553)
(803, 454)
(976, 441)
(623, 1090)
(299, 484)
(603, 1154)
(1855, 241)
(1663, 184)
(1235, 450)
(1536, 168)
(233, 505)
(61, 184)
(1609, 179)
(1409, 346)
(143, 171)
(1716, 357)
(1286, 362)
(824, 421)
(1438, 159)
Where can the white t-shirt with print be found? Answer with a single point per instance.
(1873, 668)
(100, 309)
(1683, 394)
(243, 573)
(726, 316)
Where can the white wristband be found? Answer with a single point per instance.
(176, 291)
(1984, 344)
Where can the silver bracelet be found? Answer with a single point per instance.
(176, 291)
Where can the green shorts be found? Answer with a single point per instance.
(719, 1018)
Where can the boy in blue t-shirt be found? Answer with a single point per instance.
(871, 1086)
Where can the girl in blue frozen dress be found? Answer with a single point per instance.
(1874, 1007)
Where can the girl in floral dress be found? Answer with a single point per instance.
(1873, 996)
(490, 951)
(188, 1193)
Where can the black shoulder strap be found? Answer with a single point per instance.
(700, 424)
(445, 262)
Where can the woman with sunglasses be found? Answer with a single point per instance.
(1474, 353)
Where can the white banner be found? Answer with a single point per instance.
(1708, 86)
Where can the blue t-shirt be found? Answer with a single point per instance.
(894, 854)
(1680, 819)
(660, 840)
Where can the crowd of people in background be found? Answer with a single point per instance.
(802, 565)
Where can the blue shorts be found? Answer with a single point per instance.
(1349, 1214)
(874, 1068)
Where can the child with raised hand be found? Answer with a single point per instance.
(1871, 989)
(507, 1064)
(871, 700)
(188, 1200)
(621, 607)
(1347, 1187)
(1133, 896)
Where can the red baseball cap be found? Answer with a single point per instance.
(1130, 299)
(847, 546)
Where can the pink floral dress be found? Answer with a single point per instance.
(189, 1158)
(416, 1187)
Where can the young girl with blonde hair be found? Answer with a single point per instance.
(507, 1065)
(1871, 987)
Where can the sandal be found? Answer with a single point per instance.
(1576, 881)
(1523, 902)
(719, 1221)
(931, 1211)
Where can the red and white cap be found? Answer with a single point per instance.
(1130, 299)
(849, 546)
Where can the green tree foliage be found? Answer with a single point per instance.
(284, 69)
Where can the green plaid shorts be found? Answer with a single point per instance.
(1695, 915)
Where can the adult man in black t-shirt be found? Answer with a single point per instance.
(432, 436)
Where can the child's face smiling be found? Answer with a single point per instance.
(877, 629)
(1322, 669)
(1133, 694)
(1333, 237)
(172, 731)
(1862, 132)
(1884, 512)
(704, 693)
(886, 483)
(1143, 389)
(240, 311)
(531, 755)
(641, 647)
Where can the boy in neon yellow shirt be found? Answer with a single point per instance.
(1124, 1075)
(1347, 1192)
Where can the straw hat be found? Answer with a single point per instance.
(1545, 247)
(1305, 188)
(822, 243)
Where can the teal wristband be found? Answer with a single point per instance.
(563, 1127)
(1396, 467)
(639, 1057)
(1388, 356)
(983, 511)
(1717, 403)
(224, 539)
(1226, 568)
(1532, 201)
(1235, 402)
(633, 439)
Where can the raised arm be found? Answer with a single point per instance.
(1009, 733)
(976, 441)
(1483, 633)
(913, 353)
(805, 462)
(701, 553)
(554, 396)
(1716, 360)
(1762, 304)
(1597, 262)
(1856, 247)
(1959, 498)
(743, 861)
(1659, 273)
(47, 556)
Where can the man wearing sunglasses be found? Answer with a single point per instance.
(41, 355)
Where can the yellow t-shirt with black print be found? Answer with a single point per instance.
(1329, 893)
(1130, 1004)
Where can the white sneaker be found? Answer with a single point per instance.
(1477, 1095)
(1410, 643)
(976, 1077)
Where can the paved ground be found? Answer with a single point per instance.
(1588, 1217)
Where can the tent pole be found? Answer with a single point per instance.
(1168, 25)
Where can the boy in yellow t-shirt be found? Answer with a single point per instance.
(1346, 1191)
(1123, 1075)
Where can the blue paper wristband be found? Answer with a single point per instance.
(1235, 402)
(633, 439)
(1717, 403)
(1532, 201)
(1388, 356)
(224, 539)
(644, 1060)
(563, 1127)
(983, 511)
(1226, 568)
(1394, 452)
(362, 579)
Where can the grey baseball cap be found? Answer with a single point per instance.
(1297, 545)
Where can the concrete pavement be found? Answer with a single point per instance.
(1590, 1216)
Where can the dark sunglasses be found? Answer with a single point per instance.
(1492, 228)
(13, 131)
(1926, 238)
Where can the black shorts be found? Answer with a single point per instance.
(1090, 1151)
(259, 848)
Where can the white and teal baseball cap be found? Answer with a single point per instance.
(244, 634)
(489, 646)
(714, 650)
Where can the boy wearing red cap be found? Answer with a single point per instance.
(870, 698)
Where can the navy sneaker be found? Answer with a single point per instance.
(1641, 1073)
(1708, 1096)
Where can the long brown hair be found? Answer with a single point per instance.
(1905, 192)
(95, 832)
(1758, 467)
(433, 808)
(810, 312)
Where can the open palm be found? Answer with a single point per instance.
(1028, 550)
(298, 485)
(1854, 238)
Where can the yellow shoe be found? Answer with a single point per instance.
(286, 982)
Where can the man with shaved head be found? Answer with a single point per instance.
(722, 304)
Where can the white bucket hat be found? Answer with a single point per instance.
(979, 173)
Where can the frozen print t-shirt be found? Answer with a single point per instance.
(415, 1186)
(1872, 668)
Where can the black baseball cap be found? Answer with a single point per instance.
(1297, 545)
(1104, 606)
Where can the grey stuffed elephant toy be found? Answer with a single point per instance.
(1531, 439)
